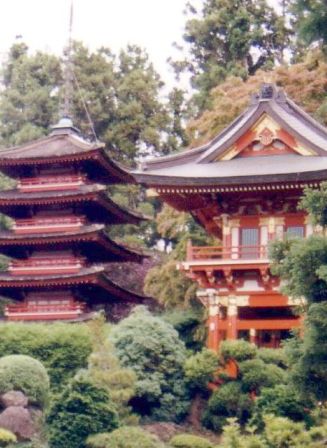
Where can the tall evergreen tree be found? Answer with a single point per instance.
(230, 37)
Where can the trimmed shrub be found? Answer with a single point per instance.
(283, 401)
(200, 368)
(275, 356)
(62, 348)
(7, 437)
(255, 374)
(190, 441)
(238, 350)
(25, 374)
(81, 410)
(152, 349)
(125, 437)
(227, 401)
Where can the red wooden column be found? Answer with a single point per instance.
(253, 335)
(232, 319)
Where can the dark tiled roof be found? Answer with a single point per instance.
(196, 165)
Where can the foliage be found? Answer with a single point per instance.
(314, 201)
(227, 401)
(256, 374)
(283, 401)
(190, 441)
(151, 348)
(304, 82)
(310, 20)
(25, 374)
(7, 437)
(125, 437)
(105, 370)
(200, 369)
(62, 348)
(234, 438)
(189, 323)
(281, 432)
(238, 350)
(222, 38)
(81, 410)
(273, 356)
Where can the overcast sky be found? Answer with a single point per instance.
(43, 24)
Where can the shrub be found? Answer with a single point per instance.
(200, 368)
(23, 373)
(256, 374)
(227, 401)
(238, 350)
(6, 437)
(281, 400)
(190, 441)
(125, 437)
(81, 410)
(281, 432)
(152, 349)
(275, 356)
(62, 348)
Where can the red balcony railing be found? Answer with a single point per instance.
(226, 253)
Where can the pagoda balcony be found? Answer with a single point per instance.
(53, 310)
(48, 224)
(46, 266)
(221, 255)
(51, 183)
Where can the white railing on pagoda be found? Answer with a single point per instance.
(46, 183)
(48, 224)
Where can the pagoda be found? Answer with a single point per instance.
(244, 187)
(59, 248)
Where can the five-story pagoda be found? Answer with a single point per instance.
(61, 253)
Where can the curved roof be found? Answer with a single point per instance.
(64, 147)
(91, 240)
(91, 197)
(204, 164)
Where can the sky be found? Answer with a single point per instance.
(43, 25)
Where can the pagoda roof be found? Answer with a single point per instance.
(92, 282)
(64, 148)
(91, 240)
(220, 161)
(91, 197)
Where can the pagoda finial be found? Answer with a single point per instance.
(65, 123)
(68, 71)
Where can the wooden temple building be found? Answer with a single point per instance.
(243, 187)
(60, 252)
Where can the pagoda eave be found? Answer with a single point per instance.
(94, 244)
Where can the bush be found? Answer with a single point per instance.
(25, 374)
(238, 350)
(152, 349)
(200, 368)
(81, 410)
(62, 348)
(281, 401)
(190, 441)
(125, 437)
(255, 374)
(6, 437)
(275, 356)
(281, 432)
(227, 401)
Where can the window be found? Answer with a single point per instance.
(295, 232)
(249, 243)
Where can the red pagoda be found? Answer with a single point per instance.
(61, 253)
(244, 187)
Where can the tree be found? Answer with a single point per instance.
(302, 264)
(151, 348)
(105, 371)
(223, 38)
(200, 369)
(310, 18)
(81, 410)
(28, 101)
